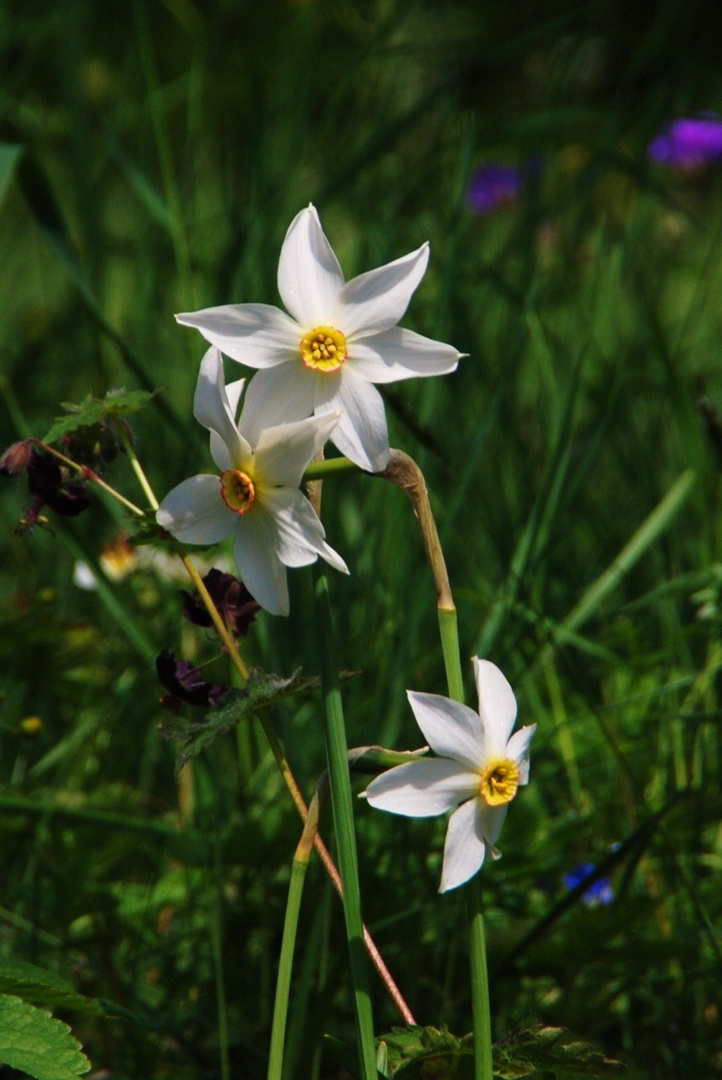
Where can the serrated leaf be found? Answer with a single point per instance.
(426, 1053)
(550, 1051)
(418, 1053)
(32, 1041)
(236, 705)
(95, 410)
(34, 984)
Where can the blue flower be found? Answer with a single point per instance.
(493, 186)
(599, 892)
(688, 144)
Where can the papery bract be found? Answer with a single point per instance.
(339, 339)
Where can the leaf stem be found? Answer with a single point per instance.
(480, 1003)
(342, 804)
(288, 941)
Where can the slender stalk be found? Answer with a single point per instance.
(405, 473)
(449, 631)
(136, 465)
(480, 1004)
(317, 470)
(342, 804)
(288, 942)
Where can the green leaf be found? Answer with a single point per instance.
(550, 1051)
(95, 410)
(417, 1053)
(236, 705)
(146, 530)
(36, 1044)
(43, 987)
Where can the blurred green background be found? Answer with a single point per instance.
(154, 155)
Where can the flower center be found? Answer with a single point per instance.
(499, 782)
(238, 491)
(324, 349)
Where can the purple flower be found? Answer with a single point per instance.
(493, 186)
(688, 144)
(599, 892)
(236, 605)
(185, 683)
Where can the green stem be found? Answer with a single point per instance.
(449, 631)
(483, 1058)
(480, 1003)
(342, 804)
(136, 465)
(317, 470)
(288, 942)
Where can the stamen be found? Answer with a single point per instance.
(324, 349)
(238, 491)
(499, 782)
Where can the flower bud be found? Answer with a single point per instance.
(16, 459)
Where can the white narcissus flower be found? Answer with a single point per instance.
(256, 496)
(338, 340)
(480, 765)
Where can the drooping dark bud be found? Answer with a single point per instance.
(234, 602)
(47, 483)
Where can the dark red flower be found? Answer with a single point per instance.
(185, 683)
(47, 482)
(233, 600)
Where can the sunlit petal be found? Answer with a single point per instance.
(376, 300)
(497, 705)
(212, 408)
(300, 534)
(465, 846)
(276, 396)
(490, 820)
(399, 354)
(195, 513)
(422, 788)
(361, 433)
(257, 335)
(452, 730)
(283, 452)
(309, 275)
(255, 551)
(518, 749)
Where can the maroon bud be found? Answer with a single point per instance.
(16, 459)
